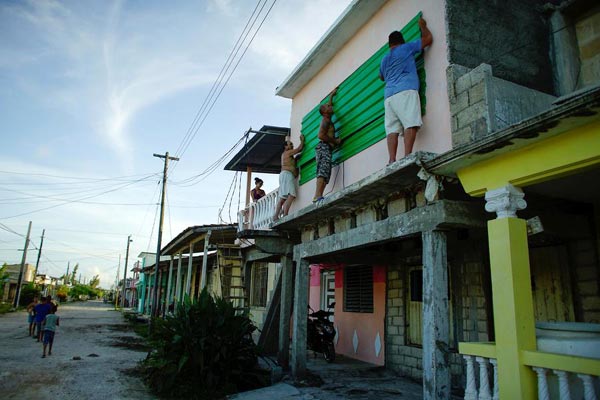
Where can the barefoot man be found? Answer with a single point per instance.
(402, 104)
(287, 178)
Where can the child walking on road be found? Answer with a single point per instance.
(49, 329)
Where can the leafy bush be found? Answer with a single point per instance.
(28, 292)
(62, 292)
(80, 291)
(204, 351)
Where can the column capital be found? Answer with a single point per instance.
(505, 201)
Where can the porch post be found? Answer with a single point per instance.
(285, 309)
(436, 333)
(170, 282)
(205, 260)
(178, 280)
(188, 276)
(514, 320)
(299, 318)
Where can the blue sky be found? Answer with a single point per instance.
(89, 90)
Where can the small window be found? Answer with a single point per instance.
(416, 285)
(358, 289)
(260, 274)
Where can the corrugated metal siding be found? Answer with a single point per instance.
(358, 108)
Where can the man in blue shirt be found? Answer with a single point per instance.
(402, 103)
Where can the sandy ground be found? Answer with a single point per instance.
(108, 348)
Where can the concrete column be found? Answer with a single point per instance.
(205, 260)
(188, 275)
(514, 319)
(436, 331)
(285, 310)
(178, 280)
(299, 318)
(170, 282)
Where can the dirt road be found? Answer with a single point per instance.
(107, 347)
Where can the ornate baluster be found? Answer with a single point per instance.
(496, 395)
(484, 380)
(588, 387)
(542, 383)
(563, 384)
(471, 389)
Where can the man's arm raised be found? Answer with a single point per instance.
(426, 36)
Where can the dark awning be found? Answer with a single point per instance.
(262, 153)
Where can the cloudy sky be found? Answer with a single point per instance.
(89, 90)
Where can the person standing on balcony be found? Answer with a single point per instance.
(287, 178)
(323, 151)
(402, 103)
(257, 193)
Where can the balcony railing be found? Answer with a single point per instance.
(258, 215)
(558, 376)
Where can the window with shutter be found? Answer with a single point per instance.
(358, 289)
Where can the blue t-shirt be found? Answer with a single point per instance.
(41, 310)
(399, 70)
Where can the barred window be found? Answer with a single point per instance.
(260, 274)
(358, 289)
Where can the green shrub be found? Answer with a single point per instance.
(28, 292)
(205, 351)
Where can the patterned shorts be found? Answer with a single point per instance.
(323, 156)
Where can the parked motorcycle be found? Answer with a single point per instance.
(320, 333)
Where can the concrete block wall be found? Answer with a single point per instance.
(588, 37)
(510, 35)
(468, 312)
(481, 103)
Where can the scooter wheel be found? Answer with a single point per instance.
(329, 353)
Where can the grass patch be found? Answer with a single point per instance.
(5, 307)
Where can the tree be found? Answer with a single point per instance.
(95, 281)
(4, 275)
(74, 274)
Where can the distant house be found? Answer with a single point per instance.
(10, 285)
(426, 283)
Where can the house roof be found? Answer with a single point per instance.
(358, 13)
(220, 234)
(262, 153)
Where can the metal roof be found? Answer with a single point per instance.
(220, 234)
(262, 153)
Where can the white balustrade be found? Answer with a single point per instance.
(567, 388)
(259, 214)
(484, 392)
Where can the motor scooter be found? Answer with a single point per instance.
(320, 333)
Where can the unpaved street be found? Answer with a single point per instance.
(108, 349)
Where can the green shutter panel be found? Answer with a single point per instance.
(358, 107)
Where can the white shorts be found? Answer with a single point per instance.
(287, 184)
(402, 110)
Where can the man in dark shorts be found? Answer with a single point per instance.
(327, 142)
(41, 310)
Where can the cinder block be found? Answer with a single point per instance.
(323, 230)
(472, 113)
(477, 93)
(392, 274)
(589, 288)
(397, 206)
(397, 321)
(587, 273)
(366, 216)
(393, 293)
(590, 303)
(397, 302)
(459, 102)
(394, 312)
(341, 224)
(462, 84)
(462, 136)
(307, 235)
(479, 73)
(420, 199)
(392, 330)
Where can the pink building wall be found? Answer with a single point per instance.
(369, 328)
(435, 135)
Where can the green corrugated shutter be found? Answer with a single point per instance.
(358, 109)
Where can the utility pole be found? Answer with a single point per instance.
(18, 293)
(160, 228)
(37, 263)
(67, 275)
(117, 283)
(125, 271)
